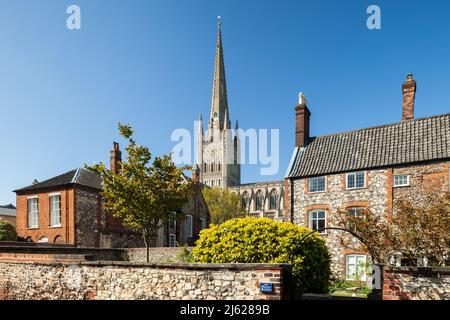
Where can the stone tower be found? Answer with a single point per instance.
(218, 148)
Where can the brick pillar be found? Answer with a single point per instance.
(302, 115)
(409, 93)
(115, 158)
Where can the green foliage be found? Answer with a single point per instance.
(7, 231)
(185, 255)
(261, 240)
(144, 195)
(223, 205)
(350, 286)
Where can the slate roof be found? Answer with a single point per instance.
(78, 176)
(7, 211)
(411, 141)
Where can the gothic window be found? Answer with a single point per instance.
(205, 169)
(259, 201)
(273, 200)
(212, 167)
(218, 167)
(245, 201)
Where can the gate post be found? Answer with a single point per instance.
(377, 282)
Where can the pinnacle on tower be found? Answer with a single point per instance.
(219, 103)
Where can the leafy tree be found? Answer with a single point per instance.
(372, 233)
(423, 231)
(262, 240)
(144, 196)
(7, 231)
(223, 205)
(414, 230)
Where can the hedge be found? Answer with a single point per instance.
(262, 240)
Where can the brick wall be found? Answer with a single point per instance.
(64, 234)
(412, 283)
(111, 281)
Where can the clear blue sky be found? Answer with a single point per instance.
(150, 64)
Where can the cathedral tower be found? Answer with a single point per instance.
(218, 149)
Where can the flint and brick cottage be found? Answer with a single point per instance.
(366, 168)
(68, 209)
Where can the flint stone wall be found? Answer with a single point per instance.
(413, 283)
(125, 280)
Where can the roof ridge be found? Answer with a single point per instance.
(382, 126)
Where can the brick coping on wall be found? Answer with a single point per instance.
(422, 271)
(12, 248)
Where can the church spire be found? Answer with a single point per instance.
(219, 103)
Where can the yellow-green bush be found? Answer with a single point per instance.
(261, 240)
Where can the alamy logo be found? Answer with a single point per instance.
(374, 20)
(73, 22)
(256, 146)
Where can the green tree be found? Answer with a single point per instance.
(223, 205)
(7, 231)
(144, 195)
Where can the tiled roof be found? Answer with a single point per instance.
(412, 141)
(79, 176)
(4, 211)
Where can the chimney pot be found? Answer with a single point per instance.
(409, 94)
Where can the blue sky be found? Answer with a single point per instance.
(150, 64)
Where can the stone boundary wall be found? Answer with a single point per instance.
(126, 280)
(414, 283)
(157, 254)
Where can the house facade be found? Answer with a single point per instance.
(8, 213)
(366, 168)
(68, 209)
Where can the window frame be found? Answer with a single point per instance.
(50, 196)
(36, 212)
(347, 175)
(259, 193)
(274, 194)
(407, 184)
(314, 178)
(189, 227)
(311, 219)
(172, 240)
(203, 223)
(356, 255)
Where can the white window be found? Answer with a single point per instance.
(55, 210)
(188, 226)
(172, 240)
(401, 180)
(356, 180)
(355, 265)
(33, 212)
(316, 184)
(202, 223)
(317, 220)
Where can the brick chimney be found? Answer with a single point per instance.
(115, 158)
(196, 174)
(409, 93)
(302, 115)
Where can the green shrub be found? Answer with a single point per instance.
(7, 231)
(261, 240)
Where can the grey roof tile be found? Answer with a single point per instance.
(405, 142)
(78, 176)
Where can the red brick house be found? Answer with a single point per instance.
(68, 209)
(365, 168)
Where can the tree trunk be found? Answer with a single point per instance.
(147, 244)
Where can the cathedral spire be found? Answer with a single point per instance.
(219, 103)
